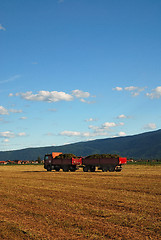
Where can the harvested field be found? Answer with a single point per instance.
(36, 204)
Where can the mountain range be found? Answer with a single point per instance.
(141, 146)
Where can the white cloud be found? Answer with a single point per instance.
(118, 88)
(93, 127)
(83, 134)
(150, 126)
(3, 111)
(131, 88)
(87, 134)
(2, 28)
(91, 120)
(7, 134)
(53, 96)
(107, 125)
(104, 127)
(70, 133)
(120, 124)
(23, 118)
(120, 134)
(21, 134)
(15, 111)
(6, 140)
(46, 96)
(135, 91)
(85, 101)
(121, 116)
(135, 94)
(102, 130)
(13, 78)
(156, 93)
(80, 94)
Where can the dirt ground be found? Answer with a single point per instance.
(36, 204)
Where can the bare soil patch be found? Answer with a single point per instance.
(36, 204)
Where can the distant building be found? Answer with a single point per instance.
(3, 162)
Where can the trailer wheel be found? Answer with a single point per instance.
(118, 170)
(92, 169)
(85, 169)
(57, 169)
(65, 169)
(104, 169)
(111, 169)
(72, 168)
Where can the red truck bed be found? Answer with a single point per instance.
(100, 161)
(111, 164)
(71, 161)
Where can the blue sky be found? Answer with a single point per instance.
(77, 70)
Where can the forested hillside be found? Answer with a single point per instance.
(142, 146)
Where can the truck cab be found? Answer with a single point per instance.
(48, 162)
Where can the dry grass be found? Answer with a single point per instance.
(35, 204)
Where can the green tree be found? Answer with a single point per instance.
(39, 159)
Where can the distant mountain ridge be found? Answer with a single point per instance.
(141, 146)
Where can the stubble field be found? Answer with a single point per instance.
(36, 204)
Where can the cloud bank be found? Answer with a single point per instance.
(9, 134)
(2, 28)
(150, 126)
(53, 96)
(102, 130)
(4, 111)
(135, 91)
(155, 93)
(46, 96)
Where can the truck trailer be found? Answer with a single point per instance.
(110, 163)
(69, 162)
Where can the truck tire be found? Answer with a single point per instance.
(48, 168)
(57, 168)
(85, 169)
(72, 168)
(92, 169)
(111, 169)
(65, 169)
(118, 170)
(104, 169)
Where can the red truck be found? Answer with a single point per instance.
(66, 162)
(57, 161)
